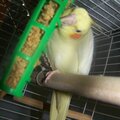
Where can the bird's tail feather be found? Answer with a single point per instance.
(59, 105)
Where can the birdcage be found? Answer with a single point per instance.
(14, 15)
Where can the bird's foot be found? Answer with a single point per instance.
(49, 74)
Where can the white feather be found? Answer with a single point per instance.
(71, 56)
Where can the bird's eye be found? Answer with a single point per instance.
(78, 31)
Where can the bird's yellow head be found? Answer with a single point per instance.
(75, 23)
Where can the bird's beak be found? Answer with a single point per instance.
(75, 36)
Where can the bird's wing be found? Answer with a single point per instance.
(85, 53)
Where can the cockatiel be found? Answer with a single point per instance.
(70, 50)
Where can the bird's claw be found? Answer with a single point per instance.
(49, 74)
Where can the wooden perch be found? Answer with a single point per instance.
(106, 89)
(30, 101)
(2, 94)
(39, 104)
(78, 115)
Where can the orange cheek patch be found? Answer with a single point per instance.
(75, 36)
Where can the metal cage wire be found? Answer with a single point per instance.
(14, 15)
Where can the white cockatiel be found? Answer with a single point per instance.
(70, 50)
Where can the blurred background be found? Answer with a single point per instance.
(14, 15)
